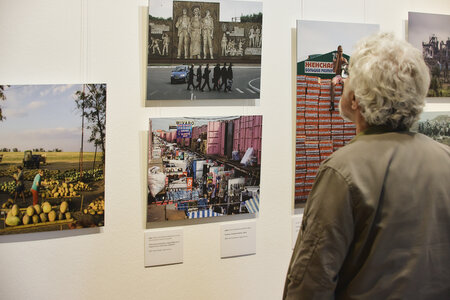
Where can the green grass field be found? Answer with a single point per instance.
(17, 157)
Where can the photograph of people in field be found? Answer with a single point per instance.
(52, 157)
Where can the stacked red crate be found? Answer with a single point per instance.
(300, 156)
(319, 129)
(337, 123)
(325, 149)
(312, 108)
(300, 114)
(300, 168)
(312, 115)
(325, 110)
(312, 164)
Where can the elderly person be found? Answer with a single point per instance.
(377, 221)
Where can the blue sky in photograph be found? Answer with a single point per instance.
(318, 37)
(421, 26)
(42, 116)
(228, 9)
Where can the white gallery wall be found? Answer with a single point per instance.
(103, 41)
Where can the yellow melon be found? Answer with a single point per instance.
(12, 221)
(30, 210)
(46, 207)
(26, 220)
(38, 209)
(43, 217)
(15, 210)
(35, 219)
(52, 216)
(64, 206)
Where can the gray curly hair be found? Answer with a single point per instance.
(390, 80)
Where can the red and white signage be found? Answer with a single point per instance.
(319, 67)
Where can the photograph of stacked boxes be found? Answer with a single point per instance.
(323, 53)
(203, 167)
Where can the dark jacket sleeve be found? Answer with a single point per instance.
(324, 238)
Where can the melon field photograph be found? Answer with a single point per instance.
(52, 157)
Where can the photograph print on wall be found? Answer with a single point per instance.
(52, 157)
(204, 50)
(203, 167)
(430, 33)
(323, 53)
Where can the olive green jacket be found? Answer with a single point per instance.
(377, 222)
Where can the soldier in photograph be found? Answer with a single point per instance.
(183, 24)
(258, 37)
(166, 41)
(199, 77)
(206, 72)
(195, 34)
(155, 45)
(207, 33)
(191, 78)
(216, 77)
(229, 78)
(224, 76)
(224, 44)
(251, 36)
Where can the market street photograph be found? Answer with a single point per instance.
(203, 167)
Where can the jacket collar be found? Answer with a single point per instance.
(378, 129)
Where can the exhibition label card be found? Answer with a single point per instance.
(163, 247)
(296, 224)
(238, 239)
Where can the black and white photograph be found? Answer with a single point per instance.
(204, 50)
(430, 33)
(201, 167)
(434, 123)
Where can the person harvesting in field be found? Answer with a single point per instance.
(36, 185)
(20, 187)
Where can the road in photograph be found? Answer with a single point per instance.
(246, 85)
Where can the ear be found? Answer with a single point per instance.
(355, 103)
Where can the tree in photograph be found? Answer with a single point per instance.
(153, 18)
(91, 101)
(435, 84)
(2, 97)
(253, 18)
